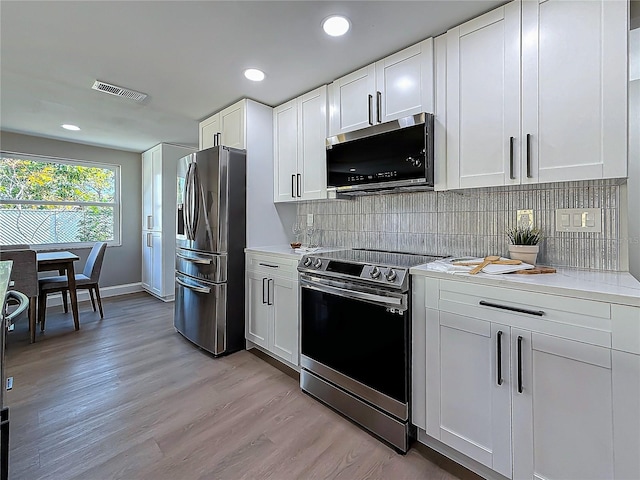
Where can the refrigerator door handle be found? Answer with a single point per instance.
(193, 287)
(202, 261)
(187, 203)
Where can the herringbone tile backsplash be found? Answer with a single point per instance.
(473, 222)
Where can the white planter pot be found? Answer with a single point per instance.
(526, 253)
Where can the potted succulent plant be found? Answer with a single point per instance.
(524, 243)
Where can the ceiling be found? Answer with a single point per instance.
(188, 57)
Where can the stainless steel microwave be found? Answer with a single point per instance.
(390, 155)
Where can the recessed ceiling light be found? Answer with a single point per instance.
(68, 126)
(336, 25)
(254, 74)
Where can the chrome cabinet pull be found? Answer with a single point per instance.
(379, 106)
(293, 187)
(511, 175)
(270, 283)
(149, 222)
(370, 109)
(299, 184)
(499, 357)
(520, 387)
(267, 265)
(537, 313)
(149, 241)
(529, 156)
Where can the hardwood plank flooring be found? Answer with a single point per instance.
(127, 397)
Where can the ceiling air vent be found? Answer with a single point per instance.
(118, 91)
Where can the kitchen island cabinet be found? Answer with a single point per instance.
(529, 384)
(536, 91)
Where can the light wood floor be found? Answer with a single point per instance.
(127, 397)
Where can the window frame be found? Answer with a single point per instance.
(116, 204)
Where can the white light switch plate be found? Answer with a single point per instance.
(579, 220)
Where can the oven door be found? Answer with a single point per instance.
(357, 338)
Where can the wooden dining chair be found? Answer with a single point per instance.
(24, 275)
(88, 280)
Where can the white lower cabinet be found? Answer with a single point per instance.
(470, 411)
(526, 384)
(272, 305)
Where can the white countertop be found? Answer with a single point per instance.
(613, 287)
(286, 251)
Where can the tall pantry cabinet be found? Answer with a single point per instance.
(159, 217)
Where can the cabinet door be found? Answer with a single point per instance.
(312, 134)
(285, 150)
(152, 189)
(284, 298)
(157, 271)
(147, 260)
(574, 89)
(483, 100)
(404, 83)
(472, 406)
(232, 125)
(352, 100)
(147, 189)
(209, 128)
(258, 312)
(562, 408)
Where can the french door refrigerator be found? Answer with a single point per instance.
(210, 241)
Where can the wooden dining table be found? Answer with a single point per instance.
(62, 261)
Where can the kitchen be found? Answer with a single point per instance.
(451, 222)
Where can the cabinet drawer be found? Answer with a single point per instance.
(273, 265)
(577, 319)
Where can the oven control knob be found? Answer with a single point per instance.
(318, 263)
(307, 261)
(391, 275)
(375, 272)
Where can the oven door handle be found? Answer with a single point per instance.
(354, 294)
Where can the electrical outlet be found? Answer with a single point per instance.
(309, 219)
(579, 220)
(525, 218)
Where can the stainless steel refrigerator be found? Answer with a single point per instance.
(210, 241)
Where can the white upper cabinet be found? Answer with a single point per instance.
(395, 87)
(536, 92)
(152, 189)
(574, 89)
(299, 133)
(226, 127)
(483, 99)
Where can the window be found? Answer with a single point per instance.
(58, 202)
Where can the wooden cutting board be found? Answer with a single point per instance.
(537, 269)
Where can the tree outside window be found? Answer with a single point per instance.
(45, 201)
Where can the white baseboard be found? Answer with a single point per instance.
(105, 292)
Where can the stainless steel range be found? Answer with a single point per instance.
(356, 337)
